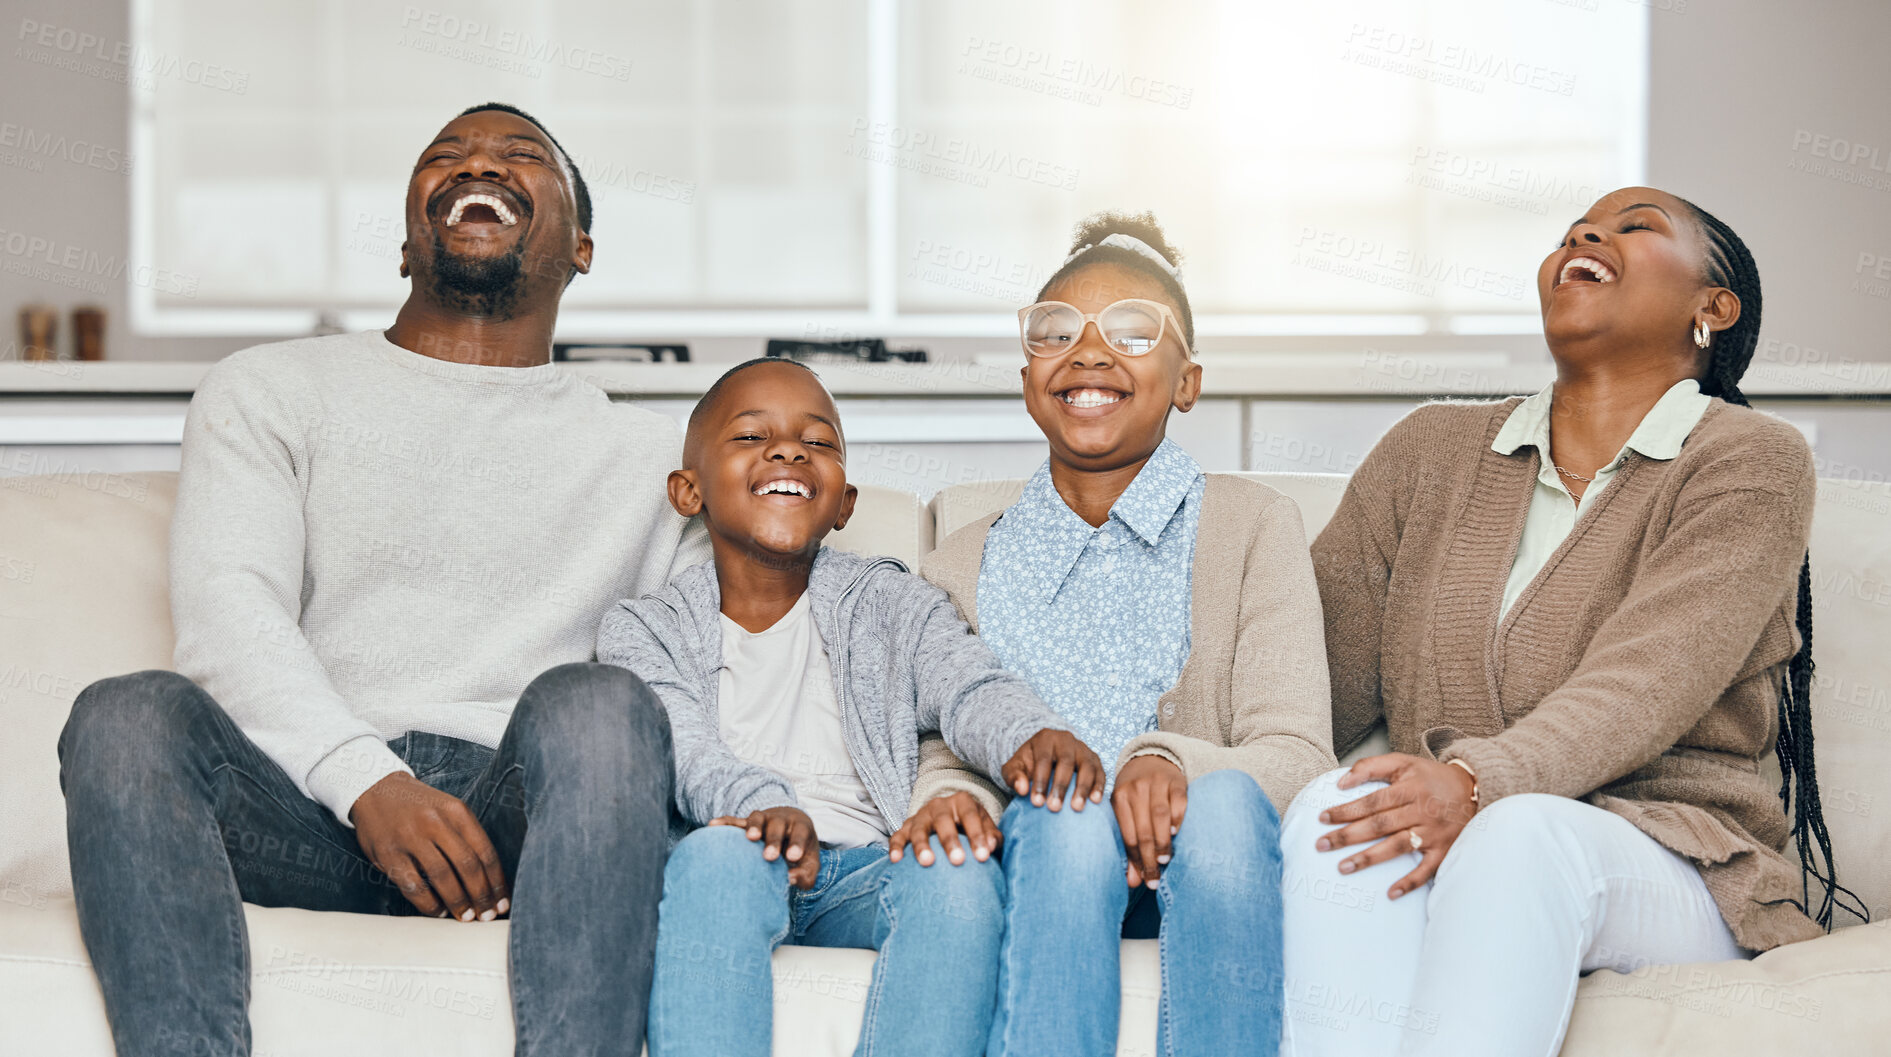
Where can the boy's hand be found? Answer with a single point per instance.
(784, 832)
(1052, 761)
(947, 816)
(429, 843)
(1150, 799)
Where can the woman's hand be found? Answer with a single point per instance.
(1423, 796)
(948, 816)
(1150, 798)
(1051, 761)
(784, 833)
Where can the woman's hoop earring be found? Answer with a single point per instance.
(1703, 337)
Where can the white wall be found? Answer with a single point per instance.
(76, 207)
(1739, 88)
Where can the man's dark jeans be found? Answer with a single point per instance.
(175, 819)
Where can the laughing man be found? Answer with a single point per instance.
(388, 559)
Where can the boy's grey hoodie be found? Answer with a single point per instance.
(904, 666)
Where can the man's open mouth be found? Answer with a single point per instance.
(1090, 396)
(472, 207)
(480, 209)
(1585, 270)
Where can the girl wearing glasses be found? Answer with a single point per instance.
(1192, 661)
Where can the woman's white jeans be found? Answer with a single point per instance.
(1484, 959)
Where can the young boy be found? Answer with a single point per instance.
(798, 681)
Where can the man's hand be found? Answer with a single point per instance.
(1050, 762)
(783, 832)
(1150, 798)
(947, 816)
(1422, 796)
(429, 843)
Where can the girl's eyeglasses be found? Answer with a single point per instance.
(1132, 326)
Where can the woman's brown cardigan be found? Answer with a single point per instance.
(1638, 671)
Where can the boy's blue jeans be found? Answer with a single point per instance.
(1216, 914)
(725, 909)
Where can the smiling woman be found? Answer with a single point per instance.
(1576, 779)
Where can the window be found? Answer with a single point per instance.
(905, 168)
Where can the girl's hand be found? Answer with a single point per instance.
(1425, 797)
(947, 816)
(1050, 762)
(1150, 798)
(784, 833)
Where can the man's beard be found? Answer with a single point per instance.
(478, 286)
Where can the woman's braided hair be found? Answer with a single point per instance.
(1730, 265)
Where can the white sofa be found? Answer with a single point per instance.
(83, 595)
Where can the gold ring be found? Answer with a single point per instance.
(1417, 841)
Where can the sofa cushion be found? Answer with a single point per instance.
(890, 522)
(82, 596)
(400, 986)
(1823, 996)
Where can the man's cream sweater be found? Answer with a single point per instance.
(370, 541)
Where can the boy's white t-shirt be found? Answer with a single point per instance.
(777, 709)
